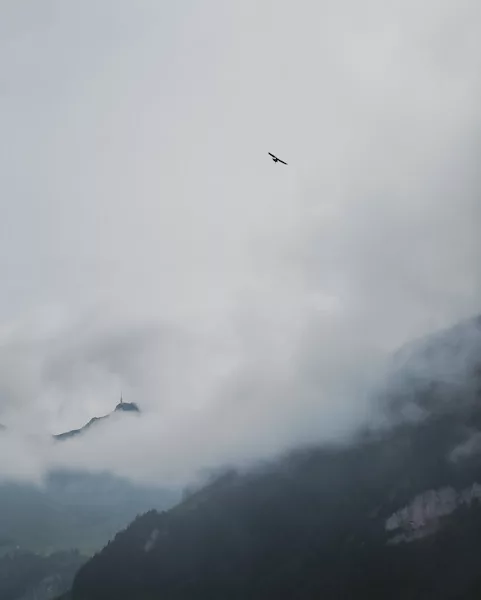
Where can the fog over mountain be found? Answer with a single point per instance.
(148, 244)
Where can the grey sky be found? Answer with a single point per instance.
(148, 243)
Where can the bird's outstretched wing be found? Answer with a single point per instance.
(275, 159)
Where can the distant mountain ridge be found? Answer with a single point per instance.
(28, 576)
(74, 509)
(127, 407)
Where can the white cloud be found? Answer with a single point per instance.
(147, 243)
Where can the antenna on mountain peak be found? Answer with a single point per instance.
(121, 398)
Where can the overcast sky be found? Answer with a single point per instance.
(149, 245)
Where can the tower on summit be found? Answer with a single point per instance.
(127, 406)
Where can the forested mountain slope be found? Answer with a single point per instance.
(396, 514)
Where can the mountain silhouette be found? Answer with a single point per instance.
(127, 407)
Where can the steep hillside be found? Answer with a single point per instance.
(397, 514)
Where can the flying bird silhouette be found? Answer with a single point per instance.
(275, 159)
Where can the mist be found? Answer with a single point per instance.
(149, 246)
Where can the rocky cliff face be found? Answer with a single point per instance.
(424, 514)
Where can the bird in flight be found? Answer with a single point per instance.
(275, 159)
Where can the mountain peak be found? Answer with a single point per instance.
(122, 406)
(127, 406)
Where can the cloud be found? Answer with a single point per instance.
(148, 244)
